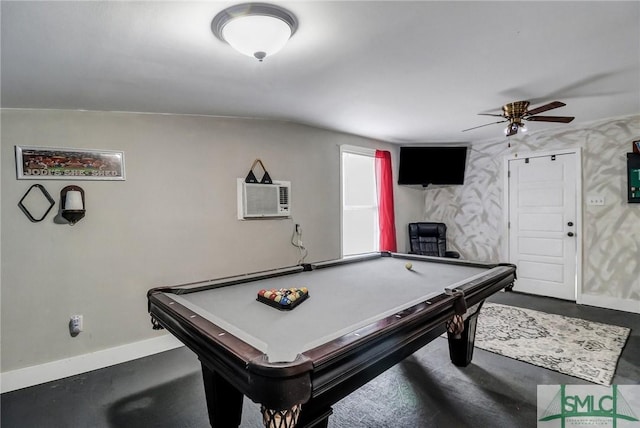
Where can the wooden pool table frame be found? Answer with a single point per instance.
(321, 376)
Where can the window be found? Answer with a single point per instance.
(360, 231)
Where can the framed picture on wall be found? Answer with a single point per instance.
(48, 163)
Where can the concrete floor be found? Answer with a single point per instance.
(426, 390)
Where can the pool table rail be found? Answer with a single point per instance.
(377, 344)
(193, 287)
(320, 376)
(236, 361)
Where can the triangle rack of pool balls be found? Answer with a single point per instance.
(283, 298)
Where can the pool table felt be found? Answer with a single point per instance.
(341, 299)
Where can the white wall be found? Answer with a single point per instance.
(172, 221)
(611, 233)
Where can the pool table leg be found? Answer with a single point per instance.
(461, 345)
(306, 416)
(224, 402)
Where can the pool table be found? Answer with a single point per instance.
(363, 315)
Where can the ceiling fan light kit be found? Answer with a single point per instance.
(514, 127)
(517, 112)
(255, 29)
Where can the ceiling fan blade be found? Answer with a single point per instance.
(486, 124)
(562, 119)
(490, 114)
(550, 106)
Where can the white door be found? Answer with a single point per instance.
(542, 224)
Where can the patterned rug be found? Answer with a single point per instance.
(576, 347)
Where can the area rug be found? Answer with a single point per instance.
(573, 346)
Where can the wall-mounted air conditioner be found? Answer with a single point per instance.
(264, 200)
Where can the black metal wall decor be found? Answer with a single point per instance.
(45, 194)
(251, 177)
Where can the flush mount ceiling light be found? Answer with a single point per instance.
(255, 29)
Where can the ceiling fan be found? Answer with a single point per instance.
(516, 112)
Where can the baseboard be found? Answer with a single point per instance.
(618, 304)
(35, 375)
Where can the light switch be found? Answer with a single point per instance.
(595, 200)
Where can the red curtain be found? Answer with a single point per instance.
(386, 216)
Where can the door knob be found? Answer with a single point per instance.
(570, 234)
(570, 223)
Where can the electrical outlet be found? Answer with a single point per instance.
(75, 325)
(595, 200)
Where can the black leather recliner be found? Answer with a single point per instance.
(430, 239)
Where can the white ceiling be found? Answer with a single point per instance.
(403, 72)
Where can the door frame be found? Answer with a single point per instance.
(579, 206)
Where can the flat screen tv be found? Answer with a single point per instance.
(426, 165)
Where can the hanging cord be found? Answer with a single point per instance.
(296, 241)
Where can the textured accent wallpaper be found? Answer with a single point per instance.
(611, 233)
